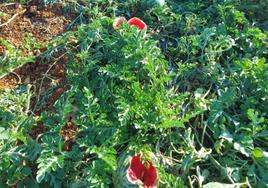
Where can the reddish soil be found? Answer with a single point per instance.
(43, 24)
(42, 76)
(37, 130)
(68, 133)
(9, 81)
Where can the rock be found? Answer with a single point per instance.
(27, 80)
(33, 9)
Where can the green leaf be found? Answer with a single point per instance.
(107, 155)
(3, 14)
(263, 134)
(4, 134)
(40, 176)
(241, 148)
(30, 183)
(26, 171)
(258, 153)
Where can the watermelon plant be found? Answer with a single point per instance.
(182, 103)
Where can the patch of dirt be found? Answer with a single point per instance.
(37, 130)
(41, 23)
(68, 133)
(42, 77)
(2, 50)
(9, 81)
(48, 79)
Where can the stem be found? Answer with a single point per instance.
(219, 167)
(12, 18)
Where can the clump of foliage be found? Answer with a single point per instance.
(192, 89)
(11, 57)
